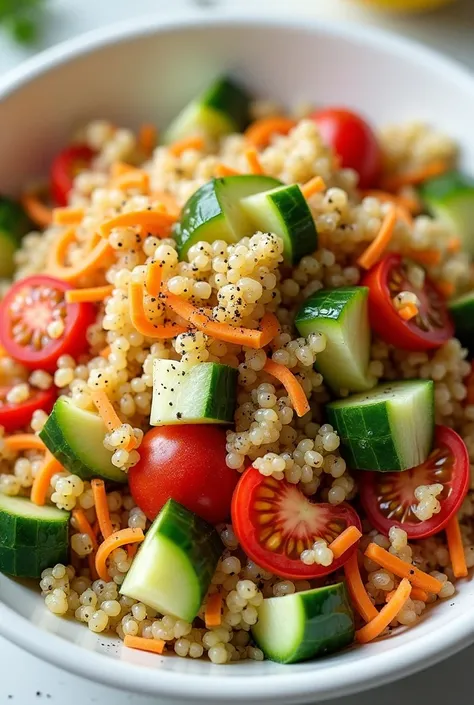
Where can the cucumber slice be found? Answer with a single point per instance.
(204, 393)
(174, 566)
(222, 109)
(304, 625)
(388, 429)
(342, 315)
(14, 223)
(214, 212)
(462, 312)
(285, 212)
(450, 197)
(76, 438)
(32, 538)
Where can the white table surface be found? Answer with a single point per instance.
(24, 680)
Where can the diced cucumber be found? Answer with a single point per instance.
(214, 212)
(462, 312)
(306, 624)
(76, 438)
(222, 109)
(342, 315)
(450, 197)
(32, 538)
(204, 393)
(285, 212)
(14, 223)
(387, 429)
(174, 566)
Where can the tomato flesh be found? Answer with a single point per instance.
(25, 314)
(275, 523)
(185, 463)
(65, 167)
(16, 416)
(430, 329)
(389, 499)
(353, 140)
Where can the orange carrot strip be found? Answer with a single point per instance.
(410, 205)
(456, 548)
(270, 327)
(417, 594)
(131, 551)
(154, 278)
(224, 170)
(344, 541)
(105, 352)
(154, 646)
(253, 161)
(394, 182)
(291, 384)
(115, 540)
(82, 523)
(166, 199)
(357, 591)
(42, 480)
(376, 626)
(96, 293)
(446, 288)
(454, 244)
(213, 611)
(147, 138)
(101, 507)
(260, 132)
(36, 210)
(160, 331)
(395, 565)
(177, 148)
(97, 258)
(68, 215)
(378, 246)
(429, 256)
(105, 408)
(314, 185)
(138, 179)
(119, 169)
(92, 569)
(156, 222)
(24, 441)
(408, 311)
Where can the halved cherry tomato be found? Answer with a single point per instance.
(275, 522)
(67, 165)
(25, 313)
(353, 140)
(389, 499)
(16, 416)
(429, 329)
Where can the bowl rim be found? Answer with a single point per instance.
(337, 679)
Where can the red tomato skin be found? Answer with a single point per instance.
(13, 417)
(185, 463)
(437, 523)
(386, 322)
(353, 140)
(63, 170)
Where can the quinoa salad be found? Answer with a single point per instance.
(236, 397)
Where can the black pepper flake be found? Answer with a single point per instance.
(412, 572)
(170, 403)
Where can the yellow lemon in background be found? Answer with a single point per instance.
(407, 5)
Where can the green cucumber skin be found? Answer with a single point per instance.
(462, 312)
(299, 223)
(225, 92)
(443, 188)
(326, 303)
(14, 224)
(222, 397)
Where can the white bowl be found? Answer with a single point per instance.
(145, 70)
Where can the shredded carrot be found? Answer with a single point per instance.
(137, 179)
(291, 384)
(154, 278)
(168, 201)
(177, 148)
(395, 565)
(105, 352)
(105, 408)
(270, 327)
(82, 523)
(213, 611)
(378, 246)
(154, 646)
(454, 244)
(357, 591)
(253, 161)
(42, 480)
(101, 507)
(119, 169)
(153, 221)
(456, 548)
(344, 541)
(314, 185)
(260, 132)
(394, 182)
(416, 594)
(147, 138)
(376, 626)
(408, 311)
(428, 257)
(408, 205)
(115, 540)
(160, 331)
(36, 210)
(97, 258)
(446, 288)
(224, 170)
(24, 441)
(131, 551)
(68, 216)
(96, 293)
(91, 563)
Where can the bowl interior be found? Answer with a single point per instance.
(146, 72)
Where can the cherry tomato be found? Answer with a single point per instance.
(353, 140)
(68, 164)
(389, 499)
(16, 416)
(187, 464)
(275, 522)
(429, 329)
(25, 314)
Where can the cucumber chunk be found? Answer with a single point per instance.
(304, 625)
(32, 538)
(387, 429)
(222, 109)
(214, 212)
(14, 223)
(462, 312)
(174, 566)
(342, 315)
(76, 438)
(204, 393)
(450, 197)
(285, 212)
